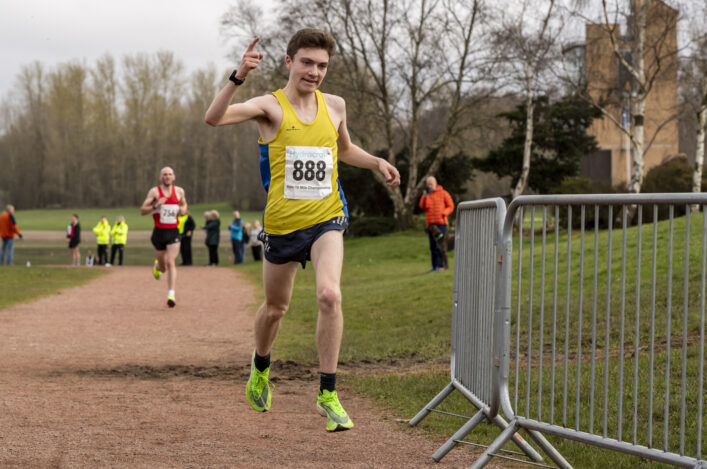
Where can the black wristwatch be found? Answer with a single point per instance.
(235, 80)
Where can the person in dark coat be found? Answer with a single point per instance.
(213, 228)
(186, 230)
(73, 237)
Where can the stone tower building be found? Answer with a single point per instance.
(609, 82)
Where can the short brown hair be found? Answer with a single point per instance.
(311, 38)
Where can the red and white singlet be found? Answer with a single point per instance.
(165, 216)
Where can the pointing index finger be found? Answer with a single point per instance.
(252, 44)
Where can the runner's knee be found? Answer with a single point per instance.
(328, 298)
(275, 312)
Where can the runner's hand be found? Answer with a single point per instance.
(391, 174)
(160, 202)
(250, 60)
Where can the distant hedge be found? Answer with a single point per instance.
(370, 226)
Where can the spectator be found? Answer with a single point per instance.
(256, 246)
(437, 203)
(212, 227)
(73, 237)
(8, 230)
(102, 230)
(119, 232)
(186, 230)
(236, 229)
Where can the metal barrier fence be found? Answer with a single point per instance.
(478, 230)
(600, 324)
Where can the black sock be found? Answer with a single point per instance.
(261, 363)
(327, 381)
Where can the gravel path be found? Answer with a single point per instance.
(105, 375)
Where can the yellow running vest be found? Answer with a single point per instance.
(298, 168)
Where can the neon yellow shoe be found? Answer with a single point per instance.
(328, 406)
(171, 302)
(156, 272)
(258, 389)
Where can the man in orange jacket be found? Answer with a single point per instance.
(8, 230)
(437, 203)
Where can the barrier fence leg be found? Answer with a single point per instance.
(460, 434)
(496, 446)
(431, 405)
(518, 440)
(549, 449)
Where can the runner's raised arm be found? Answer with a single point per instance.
(221, 111)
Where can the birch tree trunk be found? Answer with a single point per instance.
(527, 147)
(637, 147)
(639, 108)
(700, 150)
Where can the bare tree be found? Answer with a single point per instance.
(152, 87)
(66, 163)
(647, 54)
(701, 127)
(105, 133)
(31, 127)
(399, 59)
(526, 47)
(694, 91)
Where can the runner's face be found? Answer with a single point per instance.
(167, 177)
(308, 68)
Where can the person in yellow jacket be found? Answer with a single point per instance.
(102, 230)
(119, 233)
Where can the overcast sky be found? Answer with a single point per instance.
(54, 31)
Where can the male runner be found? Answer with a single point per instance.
(303, 135)
(165, 202)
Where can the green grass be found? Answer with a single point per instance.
(58, 219)
(393, 310)
(601, 312)
(616, 278)
(20, 284)
(391, 307)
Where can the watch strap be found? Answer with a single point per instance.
(236, 80)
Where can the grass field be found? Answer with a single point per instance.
(57, 220)
(20, 284)
(394, 312)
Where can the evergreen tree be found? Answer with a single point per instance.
(560, 140)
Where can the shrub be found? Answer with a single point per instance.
(673, 175)
(583, 186)
(370, 226)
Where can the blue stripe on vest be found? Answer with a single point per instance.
(265, 165)
(343, 198)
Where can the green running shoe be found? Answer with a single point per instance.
(171, 302)
(328, 406)
(258, 388)
(156, 272)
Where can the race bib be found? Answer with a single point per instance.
(168, 214)
(308, 172)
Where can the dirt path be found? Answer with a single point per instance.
(105, 375)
